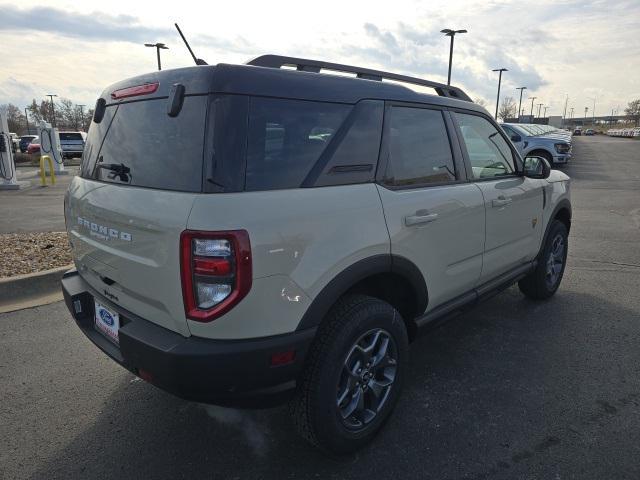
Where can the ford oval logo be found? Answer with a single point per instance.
(106, 317)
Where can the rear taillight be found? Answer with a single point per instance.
(216, 272)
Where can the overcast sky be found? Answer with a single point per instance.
(554, 47)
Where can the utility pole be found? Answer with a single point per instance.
(532, 99)
(520, 103)
(451, 33)
(158, 46)
(26, 116)
(571, 117)
(53, 110)
(499, 82)
(539, 107)
(545, 111)
(564, 115)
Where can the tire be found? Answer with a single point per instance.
(326, 392)
(543, 282)
(546, 155)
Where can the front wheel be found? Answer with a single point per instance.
(354, 375)
(543, 282)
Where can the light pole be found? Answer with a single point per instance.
(539, 107)
(26, 116)
(571, 117)
(586, 109)
(451, 33)
(545, 111)
(158, 46)
(499, 82)
(82, 117)
(532, 99)
(520, 103)
(593, 112)
(53, 110)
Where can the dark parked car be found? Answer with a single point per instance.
(25, 140)
(590, 132)
(577, 131)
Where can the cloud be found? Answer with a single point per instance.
(94, 26)
(100, 26)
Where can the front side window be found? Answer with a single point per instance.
(419, 148)
(489, 153)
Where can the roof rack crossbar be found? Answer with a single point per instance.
(306, 65)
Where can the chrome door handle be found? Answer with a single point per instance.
(419, 219)
(501, 201)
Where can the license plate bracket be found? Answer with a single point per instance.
(107, 322)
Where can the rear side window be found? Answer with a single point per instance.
(419, 148)
(158, 151)
(286, 138)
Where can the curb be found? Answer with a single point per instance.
(31, 289)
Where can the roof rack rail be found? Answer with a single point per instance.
(306, 65)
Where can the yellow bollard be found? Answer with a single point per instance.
(43, 177)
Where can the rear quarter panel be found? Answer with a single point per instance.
(300, 240)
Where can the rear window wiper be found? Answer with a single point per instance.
(119, 170)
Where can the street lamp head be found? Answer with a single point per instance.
(521, 88)
(51, 95)
(499, 70)
(157, 45)
(450, 32)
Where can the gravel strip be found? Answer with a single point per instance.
(33, 252)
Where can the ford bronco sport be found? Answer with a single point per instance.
(246, 235)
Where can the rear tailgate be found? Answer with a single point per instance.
(125, 243)
(141, 171)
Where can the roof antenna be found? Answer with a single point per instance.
(198, 61)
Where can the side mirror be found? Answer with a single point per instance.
(516, 138)
(536, 167)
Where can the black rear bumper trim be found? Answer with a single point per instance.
(223, 372)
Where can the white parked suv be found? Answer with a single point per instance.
(246, 235)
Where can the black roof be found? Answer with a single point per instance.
(302, 84)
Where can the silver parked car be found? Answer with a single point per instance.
(534, 140)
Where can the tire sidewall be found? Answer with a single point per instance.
(556, 229)
(329, 427)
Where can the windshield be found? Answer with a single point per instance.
(65, 136)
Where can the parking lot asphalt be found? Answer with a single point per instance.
(511, 390)
(34, 208)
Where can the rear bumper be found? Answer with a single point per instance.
(224, 372)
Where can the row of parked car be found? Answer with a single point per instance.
(72, 143)
(545, 141)
(624, 132)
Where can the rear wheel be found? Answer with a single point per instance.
(354, 375)
(545, 279)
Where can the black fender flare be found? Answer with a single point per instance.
(358, 271)
(563, 204)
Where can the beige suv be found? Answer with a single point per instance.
(246, 235)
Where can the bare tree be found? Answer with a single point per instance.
(633, 110)
(507, 108)
(15, 118)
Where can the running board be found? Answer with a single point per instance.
(478, 294)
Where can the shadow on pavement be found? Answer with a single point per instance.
(512, 387)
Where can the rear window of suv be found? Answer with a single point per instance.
(159, 151)
(68, 136)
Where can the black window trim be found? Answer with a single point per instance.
(456, 152)
(518, 162)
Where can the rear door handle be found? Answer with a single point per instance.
(501, 201)
(420, 219)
